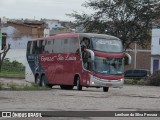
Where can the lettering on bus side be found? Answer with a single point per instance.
(58, 57)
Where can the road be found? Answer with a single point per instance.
(129, 98)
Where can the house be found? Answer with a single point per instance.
(141, 57)
(18, 33)
(155, 49)
(57, 27)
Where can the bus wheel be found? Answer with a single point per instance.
(105, 89)
(38, 81)
(43, 81)
(50, 85)
(62, 86)
(79, 87)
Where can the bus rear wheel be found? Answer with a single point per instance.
(79, 87)
(37, 80)
(43, 81)
(105, 89)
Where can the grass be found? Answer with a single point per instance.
(13, 86)
(12, 74)
(1, 85)
(135, 82)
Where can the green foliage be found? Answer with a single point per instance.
(13, 86)
(141, 82)
(155, 78)
(12, 69)
(135, 82)
(1, 85)
(130, 20)
(13, 66)
(130, 81)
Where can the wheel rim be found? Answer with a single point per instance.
(37, 81)
(43, 81)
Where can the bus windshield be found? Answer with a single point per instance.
(106, 45)
(108, 66)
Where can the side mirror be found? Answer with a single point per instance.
(127, 59)
(83, 47)
(77, 52)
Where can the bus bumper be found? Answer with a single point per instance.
(97, 82)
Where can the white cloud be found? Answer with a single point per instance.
(51, 9)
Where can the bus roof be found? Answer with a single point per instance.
(91, 35)
(81, 35)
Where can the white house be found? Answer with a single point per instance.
(155, 49)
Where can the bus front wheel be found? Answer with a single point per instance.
(43, 81)
(105, 89)
(79, 87)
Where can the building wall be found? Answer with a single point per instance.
(155, 54)
(53, 24)
(18, 35)
(15, 39)
(24, 30)
(155, 41)
(141, 58)
(17, 54)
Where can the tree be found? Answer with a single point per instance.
(3, 54)
(130, 20)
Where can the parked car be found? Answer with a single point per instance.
(137, 73)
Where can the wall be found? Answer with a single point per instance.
(141, 58)
(18, 55)
(155, 57)
(155, 41)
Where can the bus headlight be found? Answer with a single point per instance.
(122, 80)
(92, 83)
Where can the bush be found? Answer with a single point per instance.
(1, 85)
(130, 81)
(155, 78)
(13, 66)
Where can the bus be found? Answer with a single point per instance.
(76, 59)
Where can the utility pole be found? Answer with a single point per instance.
(135, 55)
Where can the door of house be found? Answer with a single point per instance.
(155, 65)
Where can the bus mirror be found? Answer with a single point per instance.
(83, 48)
(91, 52)
(78, 52)
(127, 59)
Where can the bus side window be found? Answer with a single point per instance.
(48, 46)
(65, 45)
(34, 47)
(29, 47)
(41, 48)
(74, 44)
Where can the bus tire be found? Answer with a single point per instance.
(105, 89)
(43, 81)
(38, 80)
(79, 87)
(62, 87)
(50, 85)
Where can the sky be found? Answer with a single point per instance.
(37, 9)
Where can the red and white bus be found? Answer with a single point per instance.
(76, 59)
